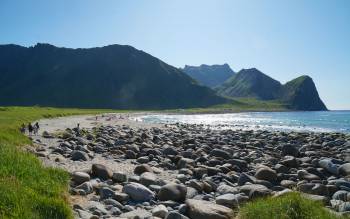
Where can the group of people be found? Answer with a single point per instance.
(32, 129)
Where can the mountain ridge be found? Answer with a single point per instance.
(300, 93)
(114, 76)
(209, 75)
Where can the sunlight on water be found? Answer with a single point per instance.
(332, 121)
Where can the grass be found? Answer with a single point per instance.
(289, 206)
(27, 189)
(240, 105)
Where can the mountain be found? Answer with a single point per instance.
(298, 94)
(250, 83)
(113, 76)
(301, 93)
(209, 75)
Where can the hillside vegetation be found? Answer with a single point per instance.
(27, 189)
(115, 76)
(251, 83)
(236, 105)
(298, 94)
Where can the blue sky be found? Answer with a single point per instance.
(282, 38)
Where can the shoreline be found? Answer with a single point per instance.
(244, 121)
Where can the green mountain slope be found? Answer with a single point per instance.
(298, 94)
(113, 76)
(209, 75)
(301, 93)
(250, 83)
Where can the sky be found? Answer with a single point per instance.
(284, 39)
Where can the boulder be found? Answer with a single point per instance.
(79, 155)
(84, 214)
(313, 188)
(80, 177)
(244, 178)
(129, 154)
(304, 175)
(113, 202)
(288, 184)
(344, 207)
(291, 150)
(138, 192)
(280, 168)
(318, 198)
(172, 191)
(242, 164)
(185, 163)
(120, 197)
(228, 200)
(142, 168)
(344, 169)
(341, 195)
(266, 173)
(106, 193)
(119, 177)
(86, 187)
(255, 190)
(148, 178)
(224, 189)
(170, 151)
(199, 209)
(328, 165)
(101, 171)
(220, 153)
(160, 211)
(290, 161)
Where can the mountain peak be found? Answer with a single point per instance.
(43, 45)
(250, 83)
(301, 93)
(209, 75)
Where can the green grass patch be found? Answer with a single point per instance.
(289, 206)
(27, 188)
(240, 105)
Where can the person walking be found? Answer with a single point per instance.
(36, 128)
(30, 128)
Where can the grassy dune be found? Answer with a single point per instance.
(289, 206)
(27, 189)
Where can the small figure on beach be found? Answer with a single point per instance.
(77, 129)
(23, 128)
(30, 128)
(36, 128)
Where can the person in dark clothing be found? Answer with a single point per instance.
(36, 128)
(30, 128)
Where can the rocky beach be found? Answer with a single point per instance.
(122, 168)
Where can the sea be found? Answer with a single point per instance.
(323, 121)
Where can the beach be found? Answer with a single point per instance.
(122, 167)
